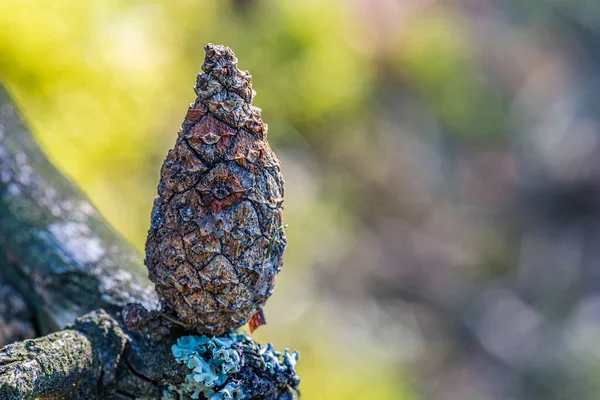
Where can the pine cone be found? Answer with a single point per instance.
(216, 240)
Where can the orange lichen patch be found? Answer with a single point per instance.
(257, 321)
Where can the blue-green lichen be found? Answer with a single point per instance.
(234, 367)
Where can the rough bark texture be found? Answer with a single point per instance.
(68, 354)
(16, 319)
(216, 240)
(94, 358)
(72, 361)
(59, 252)
(60, 260)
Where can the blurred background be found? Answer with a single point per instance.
(442, 165)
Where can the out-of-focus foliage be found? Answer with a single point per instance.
(441, 167)
(106, 85)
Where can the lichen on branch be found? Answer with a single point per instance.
(76, 363)
(235, 367)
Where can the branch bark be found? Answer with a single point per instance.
(60, 253)
(64, 261)
(16, 319)
(92, 359)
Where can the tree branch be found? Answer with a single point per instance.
(16, 319)
(89, 360)
(62, 255)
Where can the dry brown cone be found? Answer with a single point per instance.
(216, 240)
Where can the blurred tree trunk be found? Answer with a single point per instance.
(60, 260)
